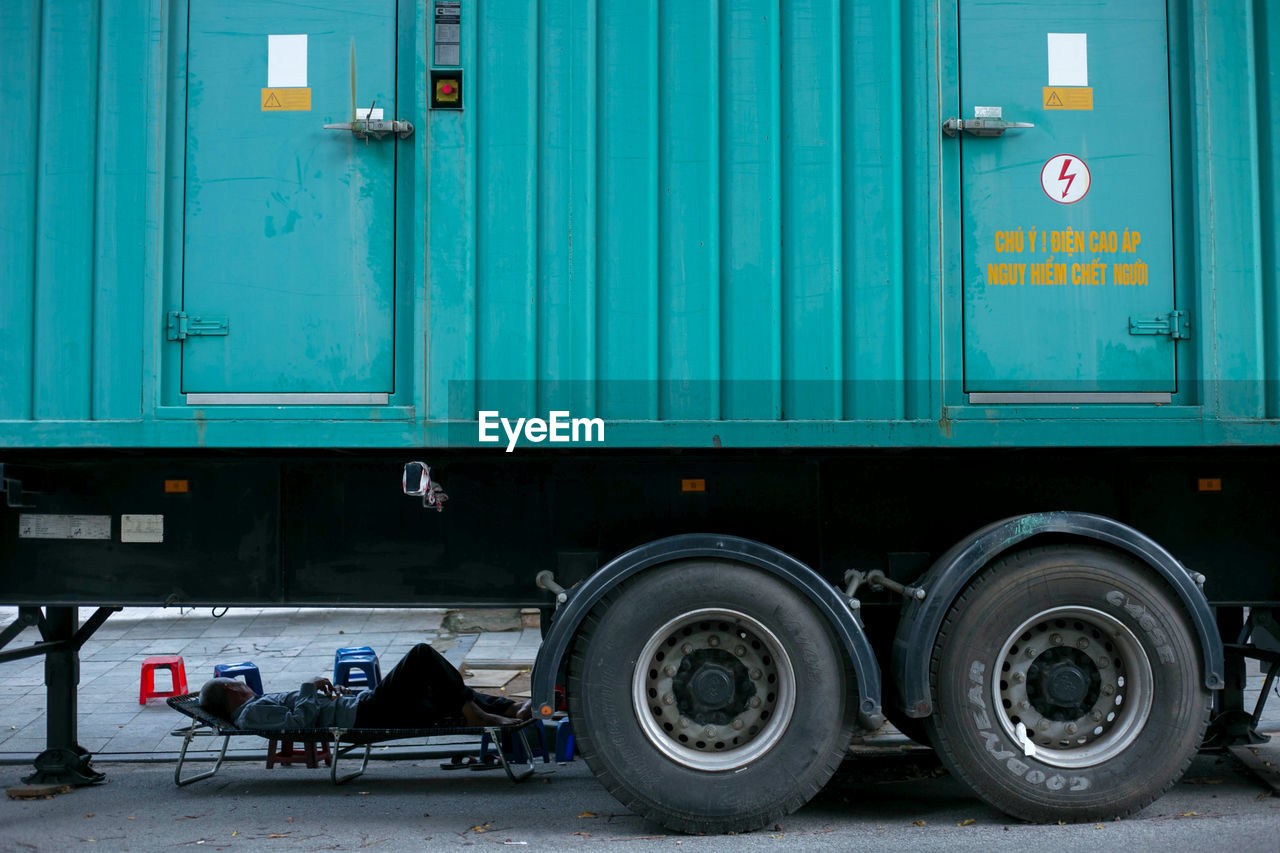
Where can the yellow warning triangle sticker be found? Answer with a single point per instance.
(272, 101)
(1054, 101)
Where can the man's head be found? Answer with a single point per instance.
(224, 696)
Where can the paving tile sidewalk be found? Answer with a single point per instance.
(289, 645)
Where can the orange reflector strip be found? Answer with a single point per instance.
(177, 487)
(693, 485)
(545, 710)
(1209, 484)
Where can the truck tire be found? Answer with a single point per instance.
(709, 696)
(1067, 686)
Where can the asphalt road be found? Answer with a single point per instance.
(889, 800)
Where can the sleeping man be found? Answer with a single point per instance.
(423, 690)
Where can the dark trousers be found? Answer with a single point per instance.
(420, 691)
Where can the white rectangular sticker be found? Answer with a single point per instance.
(1068, 59)
(40, 526)
(142, 528)
(287, 61)
(372, 114)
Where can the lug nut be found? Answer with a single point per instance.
(754, 701)
(709, 731)
(740, 651)
(1044, 725)
(1055, 639)
(1071, 728)
(738, 724)
(686, 649)
(668, 699)
(1103, 663)
(1017, 678)
(684, 722)
(756, 675)
(1082, 643)
(1021, 706)
(1032, 652)
(668, 670)
(713, 641)
(1108, 690)
(1096, 716)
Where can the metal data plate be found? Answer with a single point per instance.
(50, 526)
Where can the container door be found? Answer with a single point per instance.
(1068, 225)
(288, 282)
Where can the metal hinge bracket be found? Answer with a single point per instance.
(181, 326)
(1175, 324)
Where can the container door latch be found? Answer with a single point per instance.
(1175, 324)
(366, 125)
(181, 326)
(986, 121)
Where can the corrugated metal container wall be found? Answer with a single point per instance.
(698, 209)
(677, 216)
(76, 78)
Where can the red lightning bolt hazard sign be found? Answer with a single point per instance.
(1065, 179)
(1066, 175)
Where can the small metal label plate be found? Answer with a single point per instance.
(42, 526)
(448, 32)
(142, 528)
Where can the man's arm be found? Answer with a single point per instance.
(301, 713)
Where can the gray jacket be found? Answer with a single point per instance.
(304, 708)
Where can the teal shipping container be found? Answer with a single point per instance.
(808, 363)
(741, 221)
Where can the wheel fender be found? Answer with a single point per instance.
(693, 545)
(921, 620)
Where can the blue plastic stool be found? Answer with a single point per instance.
(564, 740)
(244, 668)
(352, 650)
(357, 671)
(356, 676)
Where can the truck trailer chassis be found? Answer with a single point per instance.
(696, 653)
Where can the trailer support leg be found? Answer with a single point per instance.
(1232, 724)
(64, 761)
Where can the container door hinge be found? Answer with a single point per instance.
(182, 327)
(1175, 324)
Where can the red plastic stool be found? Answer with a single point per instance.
(309, 752)
(174, 664)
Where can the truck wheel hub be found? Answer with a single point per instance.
(1063, 684)
(713, 689)
(1075, 683)
(707, 686)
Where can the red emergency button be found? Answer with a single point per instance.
(446, 88)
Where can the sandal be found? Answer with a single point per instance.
(471, 762)
(460, 762)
